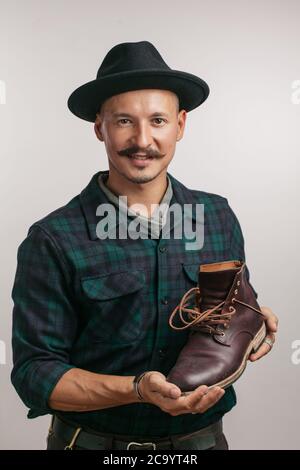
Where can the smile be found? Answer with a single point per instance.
(139, 157)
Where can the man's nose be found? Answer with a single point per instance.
(143, 135)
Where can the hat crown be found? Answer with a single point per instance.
(130, 56)
(133, 66)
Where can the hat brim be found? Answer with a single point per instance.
(86, 100)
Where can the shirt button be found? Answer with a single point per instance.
(164, 301)
(161, 353)
(162, 249)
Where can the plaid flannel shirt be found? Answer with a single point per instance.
(104, 305)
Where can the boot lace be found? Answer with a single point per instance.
(208, 320)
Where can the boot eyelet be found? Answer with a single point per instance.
(238, 283)
(222, 334)
(236, 291)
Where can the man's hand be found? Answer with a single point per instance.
(167, 396)
(271, 324)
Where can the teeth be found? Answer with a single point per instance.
(138, 157)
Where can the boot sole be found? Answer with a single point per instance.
(253, 347)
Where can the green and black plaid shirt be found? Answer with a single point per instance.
(104, 305)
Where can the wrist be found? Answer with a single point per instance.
(136, 386)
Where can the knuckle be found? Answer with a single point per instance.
(151, 377)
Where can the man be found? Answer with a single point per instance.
(92, 307)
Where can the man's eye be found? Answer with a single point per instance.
(122, 121)
(159, 119)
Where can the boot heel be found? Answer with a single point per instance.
(259, 338)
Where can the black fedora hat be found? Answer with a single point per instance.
(133, 66)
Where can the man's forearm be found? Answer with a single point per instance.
(80, 390)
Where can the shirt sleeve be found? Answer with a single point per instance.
(44, 319)
(236, 242)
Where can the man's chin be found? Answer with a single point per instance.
(137, 175)
(140, 179)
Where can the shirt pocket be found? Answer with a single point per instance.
(191, 273)
(114, 303)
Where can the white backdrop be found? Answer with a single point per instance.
(242, 143)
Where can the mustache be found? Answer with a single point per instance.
(128, 152)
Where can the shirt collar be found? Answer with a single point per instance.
(93, 195)
(153, 224)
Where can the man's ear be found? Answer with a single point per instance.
(97, 128)
(181, 124)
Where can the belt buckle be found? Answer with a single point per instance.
(141, 445)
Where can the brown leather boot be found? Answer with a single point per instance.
(226, 326)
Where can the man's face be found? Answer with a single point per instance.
(140, 129)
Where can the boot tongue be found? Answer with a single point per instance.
(214, 286)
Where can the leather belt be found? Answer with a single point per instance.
(80, 437)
